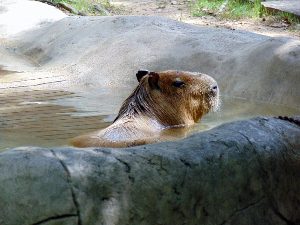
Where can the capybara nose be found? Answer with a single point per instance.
(214, 90)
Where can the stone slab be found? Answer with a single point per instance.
(240, 173)
(290, 6)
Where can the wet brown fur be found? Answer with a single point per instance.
(154, 106)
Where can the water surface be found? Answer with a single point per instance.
(49, 118)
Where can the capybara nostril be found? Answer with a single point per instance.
(215, 88)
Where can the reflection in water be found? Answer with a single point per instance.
(51, 118)
(33, 118)
(233, 109)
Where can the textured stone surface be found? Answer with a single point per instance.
(290, 6)
(89, 53)
(240, 173)
(34, 187)
(22, 15)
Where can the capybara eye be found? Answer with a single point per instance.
(178, 83)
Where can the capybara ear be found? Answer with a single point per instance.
(153, 80)
(140, 74)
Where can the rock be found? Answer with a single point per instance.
(278, 25)
(42, 188)
(243, 173)
(208, 11)
(68, 8)
(17, 16)
(223, 7)
(297, 27)
(99, 8)
(107, 51)
(286, 6)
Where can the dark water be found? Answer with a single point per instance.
(51, 118)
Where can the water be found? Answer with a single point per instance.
(233, 109)
(50, 118)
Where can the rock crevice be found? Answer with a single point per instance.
(55, 218)
(69, 180)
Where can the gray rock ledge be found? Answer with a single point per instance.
(243, 173)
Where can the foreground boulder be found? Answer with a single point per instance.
(245, 172)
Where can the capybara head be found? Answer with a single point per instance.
(172, 97)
